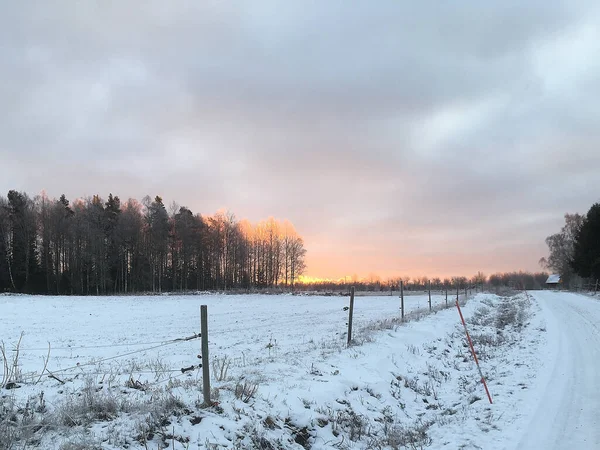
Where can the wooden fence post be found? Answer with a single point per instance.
(402, 299)
(446, 287)
(429, 290)
(350, 314)
(205, 358)
(457, 288)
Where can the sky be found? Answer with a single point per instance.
(400, 138)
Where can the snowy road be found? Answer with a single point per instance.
(565, 398)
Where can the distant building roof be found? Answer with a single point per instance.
(553, 279)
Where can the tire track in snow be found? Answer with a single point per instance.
(567, 415)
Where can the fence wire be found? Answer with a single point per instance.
(122, 355)
(97, 362)
(84, 347)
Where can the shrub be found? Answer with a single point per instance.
(245, 390)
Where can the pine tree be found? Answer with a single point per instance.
(586, 255)
(157, 238)
(6, 280)
(23, 246)
(112, 213)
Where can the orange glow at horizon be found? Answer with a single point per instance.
(379, 267)
(306, 279)
(383, 265)
(351, 256)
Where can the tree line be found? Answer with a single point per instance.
(516, 280)
(96, 246)
(574, 252)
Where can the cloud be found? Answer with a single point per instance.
(452, 135)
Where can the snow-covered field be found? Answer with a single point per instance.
(290, 380)
(241, 327)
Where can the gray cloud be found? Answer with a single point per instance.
(398, 137)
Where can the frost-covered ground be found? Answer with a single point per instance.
(241, 327)
(282, 376)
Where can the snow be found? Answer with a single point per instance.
(553, 279)
(564, 408)
(395, 380)
(238, 324)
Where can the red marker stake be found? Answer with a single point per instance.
(473, 352)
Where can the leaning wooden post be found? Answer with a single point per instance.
(350, 314)
(429, 290)
(402, 299)
(205, 360)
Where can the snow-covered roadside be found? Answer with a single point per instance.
(411, 386)
(563, 409)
